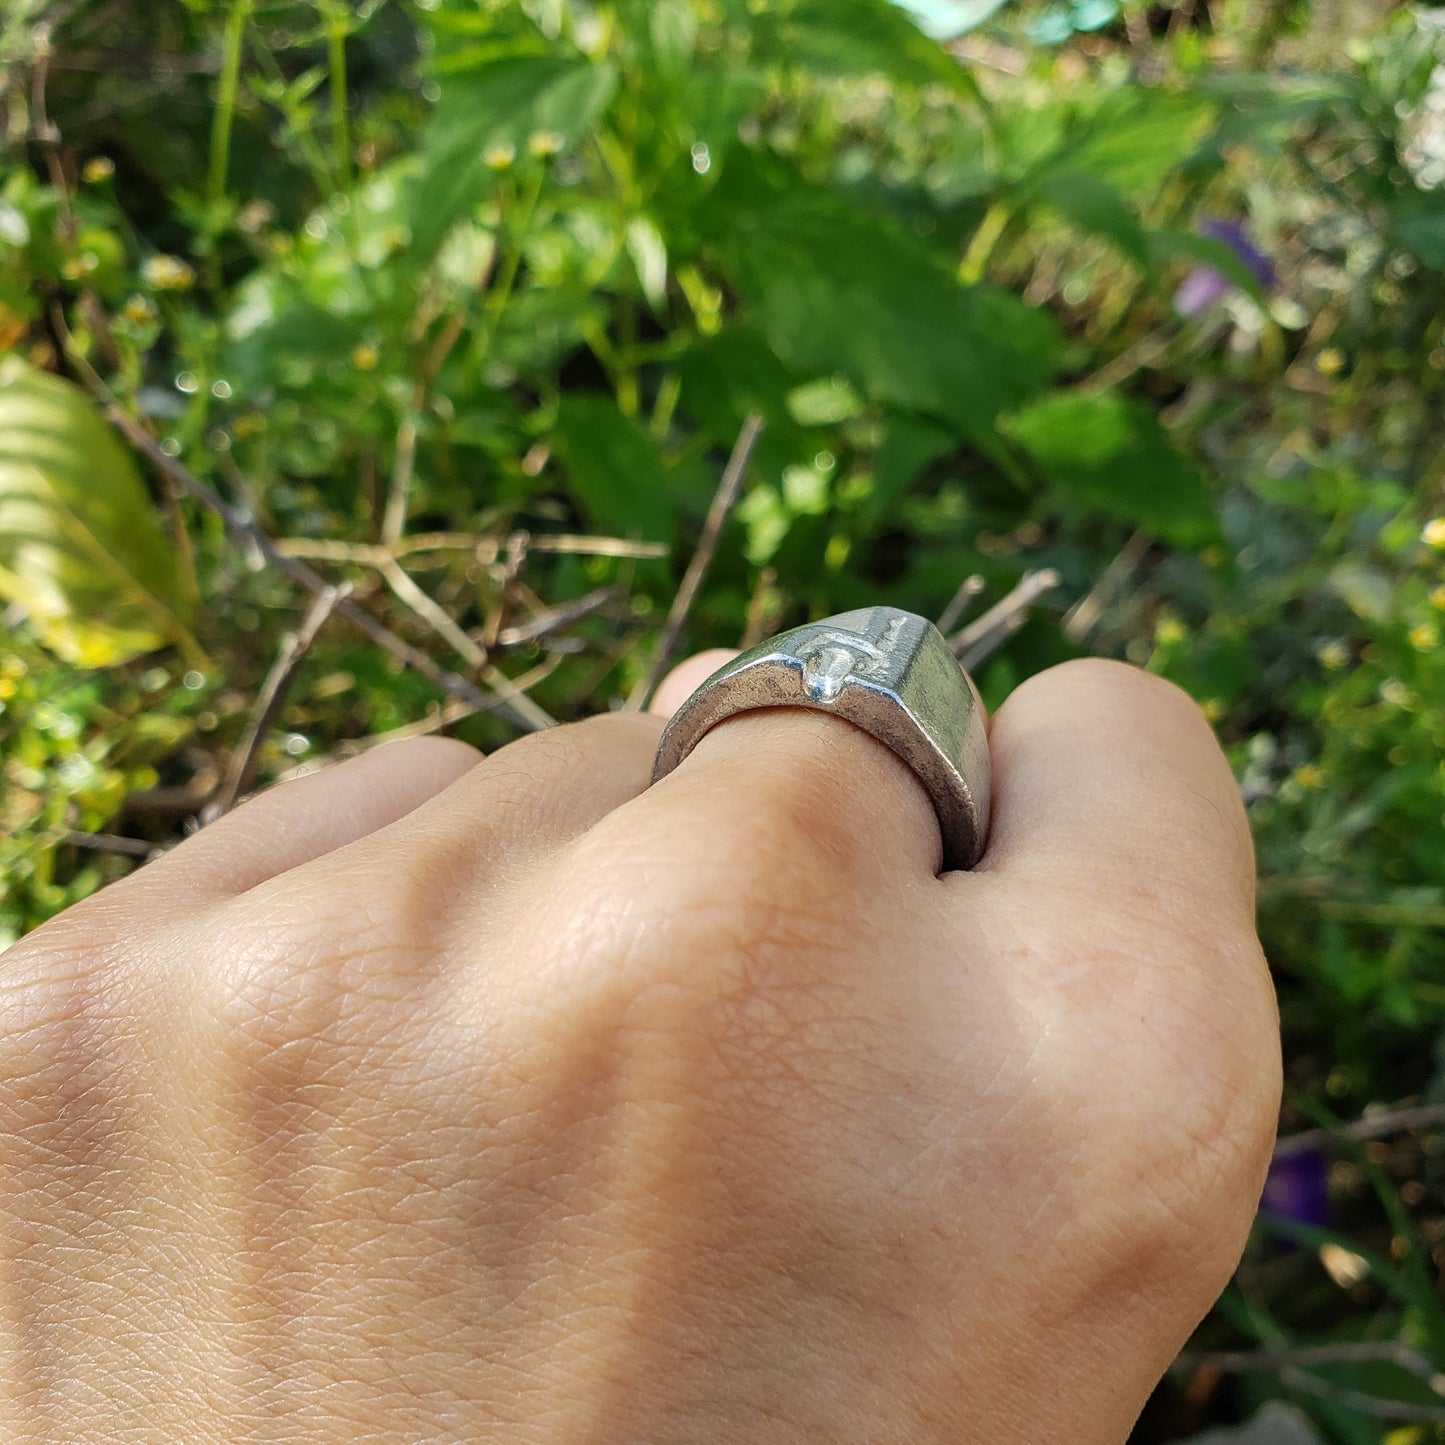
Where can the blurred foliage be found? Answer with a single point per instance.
(1150, 295)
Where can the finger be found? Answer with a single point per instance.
(296, 822)
(792, 783)
(686, 678)
(1108, 781)
(518, 804)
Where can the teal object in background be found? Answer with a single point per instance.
(1061, 22)
(948, 19)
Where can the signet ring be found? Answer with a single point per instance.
(890, 673)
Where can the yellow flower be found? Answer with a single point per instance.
(1424, 637)
(77, 268)
(1434, 533)
(1169, 631)
(365, 357)
(1437, 599)
(98, 168)
(546, 143)
(500, 155)
(1213, 709)
(168, 273)
(1334, 655)
(1311, 777)
(1331, 361)
(138, 311)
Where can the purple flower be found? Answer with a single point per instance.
(1298, 1187)
(1205, 287)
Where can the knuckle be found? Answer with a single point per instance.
(1177, 1148)
(311, 983)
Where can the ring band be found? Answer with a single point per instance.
(889, 672)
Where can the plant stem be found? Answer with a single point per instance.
(990, 231)
(226, 101)
(336, 29)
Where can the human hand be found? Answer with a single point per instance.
(434, 1099)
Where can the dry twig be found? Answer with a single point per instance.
(485, 550)
(1081, 619)
(977, 642)
(554, 619)
(1372, 1126)
(1352, 1352)
(763, 608)
(723, 502)
(271, 699)
(108, 843)
(968, 589)
(253, 538)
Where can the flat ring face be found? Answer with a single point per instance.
(890, 673)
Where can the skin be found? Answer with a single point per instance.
(439, 1098)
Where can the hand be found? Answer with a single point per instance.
(430, 1098)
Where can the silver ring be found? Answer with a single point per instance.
(889, 672)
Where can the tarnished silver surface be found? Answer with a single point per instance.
(889, 672)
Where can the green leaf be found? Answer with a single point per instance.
(835, 289)
(80, 546)
(909, 445)
(1418, 225)
(616, 469)
(502, 102)
(1096, 207)
(1132, 139)
(1115, 457)
(727, 377)
(869, 37)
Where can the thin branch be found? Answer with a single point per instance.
(1376, 1407)
(108, 843)
(983, 637)
(46, 135)
(1372, 1126)
(1081, 619)
(1354, 1352)
(271, 699)
(399, 493)
(506, 578)
(484, 549)
(432, 613)
(555, 619)
(763, 607)
(723, 502)
(253, 538)
(444, 717)
(968, 589)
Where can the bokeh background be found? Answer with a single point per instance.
(376, 369)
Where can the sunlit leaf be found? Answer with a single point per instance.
(648, 251)
(81, 548)
(495, 109)
(869, 37)
(835, 289)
